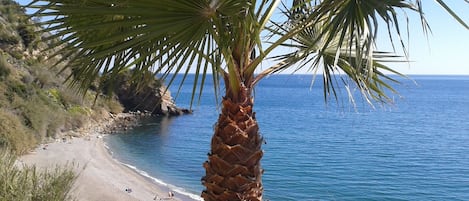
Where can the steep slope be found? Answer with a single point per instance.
(35, 103)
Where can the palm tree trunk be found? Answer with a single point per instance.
(233, 170)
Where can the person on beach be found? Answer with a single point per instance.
(170, 194)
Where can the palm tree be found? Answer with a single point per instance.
(228, 40)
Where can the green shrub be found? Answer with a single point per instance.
(27, 34)
(18, 88)
(17, 54)
(5, 68)
(54, 95)
(70, 97)
(114, 106)
(28, 184)
(44, 78)
(13, 134)
(4, 101)
(79, 110)
(8, 35)
(75, 121)
(42, 115)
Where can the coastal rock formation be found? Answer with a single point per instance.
(153, 97)
(108, 123)
(157, 101)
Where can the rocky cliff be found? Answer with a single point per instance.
(152, 97)
(157, 101)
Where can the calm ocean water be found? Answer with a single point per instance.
(416, 149)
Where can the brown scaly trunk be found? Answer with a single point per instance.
(233, 170)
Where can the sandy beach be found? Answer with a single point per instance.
(100, 176)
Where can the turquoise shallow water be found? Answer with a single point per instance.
(416, 149)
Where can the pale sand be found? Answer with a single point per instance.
(101, 178)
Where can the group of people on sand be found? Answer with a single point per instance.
(170, 195)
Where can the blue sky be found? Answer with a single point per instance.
(445, 51)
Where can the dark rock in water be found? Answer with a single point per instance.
(157, 101)
(152, 97)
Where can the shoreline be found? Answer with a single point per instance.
(100, 176)
(185, 196)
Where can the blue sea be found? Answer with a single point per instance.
(414, 149)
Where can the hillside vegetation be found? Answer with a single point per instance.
(35, 103)
(28, 183)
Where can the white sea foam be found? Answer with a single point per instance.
(107, 148)
(174, 188)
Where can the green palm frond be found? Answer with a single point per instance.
(166, 37)
(339, 37)
(107, 37)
